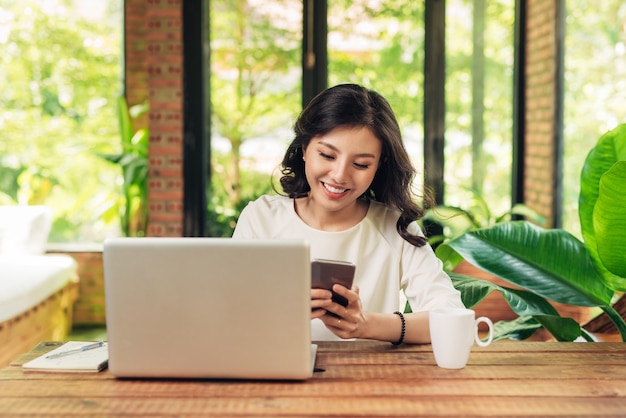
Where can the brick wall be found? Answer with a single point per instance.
(154, 73)
(89, 306)
(541, 99)
(135, 65)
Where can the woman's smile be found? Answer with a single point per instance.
(335, 192)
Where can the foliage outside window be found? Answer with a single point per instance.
(255, 97)
(595, 89)
(60, 72)
(479, 102)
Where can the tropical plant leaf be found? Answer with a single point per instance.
(523, 327)
(112, 158)
(617, 320)
(610, 148)
(139, 142)
(133, 162)
(525, 211)
(523, 303)
(125, 123)
(519, 329)
(472, 290)
(448, 257)
(457, 220)
(138, 109)
(609, 223)
(563, 329)
(551, 263)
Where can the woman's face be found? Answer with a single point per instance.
(340, 166)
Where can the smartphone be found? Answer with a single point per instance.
(326, 273)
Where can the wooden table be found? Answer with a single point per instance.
(369, 379)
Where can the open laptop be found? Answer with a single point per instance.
(208, 308)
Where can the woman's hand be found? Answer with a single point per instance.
(348, 321)
(321, 299)
(351, 321)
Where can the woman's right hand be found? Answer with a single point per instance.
(320, 300)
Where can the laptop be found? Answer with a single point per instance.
(218, 308)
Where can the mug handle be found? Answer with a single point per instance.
(489, 339)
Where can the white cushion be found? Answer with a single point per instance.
(24, 229)
(27, 280)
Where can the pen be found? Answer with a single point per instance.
(77, 350)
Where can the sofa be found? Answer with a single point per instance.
(37, 290)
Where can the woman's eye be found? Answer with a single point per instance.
(326, 156)
(363, 166)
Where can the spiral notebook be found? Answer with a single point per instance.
(208, 308)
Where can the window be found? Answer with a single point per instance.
(479, 103)
(255, 98)
(595, 88)
(60, 74)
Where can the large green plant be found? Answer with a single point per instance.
(552, 263)
(133, 162)
(475, 214)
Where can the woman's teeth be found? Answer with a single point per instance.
(333, 190)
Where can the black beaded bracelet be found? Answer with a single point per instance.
(403, 328)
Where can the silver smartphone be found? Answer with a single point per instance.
(326, 273)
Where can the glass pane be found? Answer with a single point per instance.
(479, 111)
(60, 75)
(255, 99)
(380, 45)
(595, 88)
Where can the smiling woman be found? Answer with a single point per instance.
(347, 189)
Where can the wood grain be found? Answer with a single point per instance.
(368, 379)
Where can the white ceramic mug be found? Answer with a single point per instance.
(453, 332)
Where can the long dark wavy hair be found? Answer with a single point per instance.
(355, 106)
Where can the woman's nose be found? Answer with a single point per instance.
(339, 173)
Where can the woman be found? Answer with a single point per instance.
(347, 182)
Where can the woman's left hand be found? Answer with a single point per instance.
(348, 321)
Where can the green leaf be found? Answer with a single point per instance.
(135, 171)
(526, 303)
(609, 222)
(518, 329)
(521, 302)
(455, 219)
(138, 109)
(139, 142)
(563, 329)
(617, 320)
(527, 212)
(551, 263)
(472, 290)
(448, 257)
(610, 148)
(125, 123)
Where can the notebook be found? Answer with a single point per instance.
(73, 356)
(208, 308)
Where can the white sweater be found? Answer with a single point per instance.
(385, 263)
